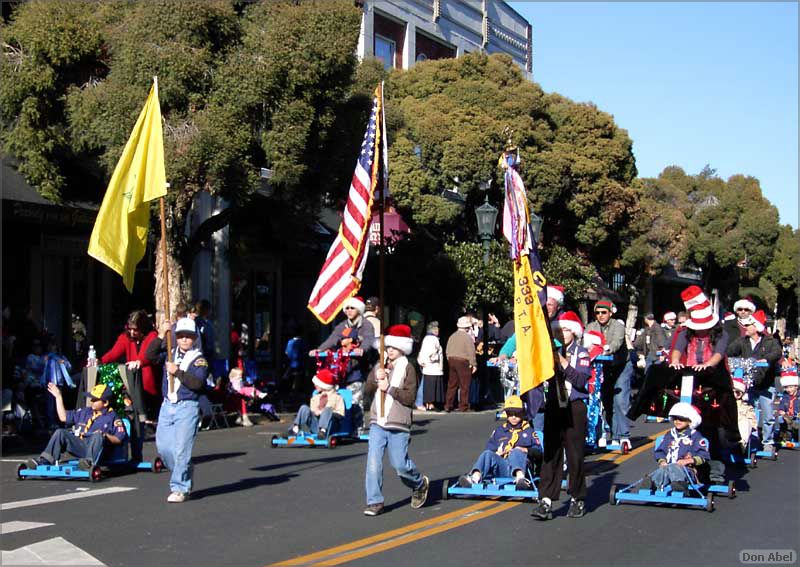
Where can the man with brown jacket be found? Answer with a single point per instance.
(460, 354)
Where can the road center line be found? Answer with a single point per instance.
(64, 497)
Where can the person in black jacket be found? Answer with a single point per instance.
(757, 344)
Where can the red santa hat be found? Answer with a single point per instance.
(760, 319)
(399, 337)
(669, 315)
(701, 313)
(556, 292)
(356, 302)
(738, 384)
(324, 379)
(789, 377)
(569, 320)
(745, 303)
(595, 342)
(687, 411)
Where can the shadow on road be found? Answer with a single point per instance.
(243, 484)
(217, 457)
(313, 462)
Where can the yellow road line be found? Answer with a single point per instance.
(426, 528)
(306, 559)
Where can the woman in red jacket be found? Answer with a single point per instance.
(132, 345)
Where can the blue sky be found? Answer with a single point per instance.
(694, 83)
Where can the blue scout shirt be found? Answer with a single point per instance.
(677, 445)
(198, 370)
(502, 434)
(88, 422)
(789, 404)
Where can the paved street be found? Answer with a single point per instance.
(257, 506)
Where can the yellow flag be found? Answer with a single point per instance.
(119, 237)
(534, 349)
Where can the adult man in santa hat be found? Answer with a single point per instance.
(743, 309)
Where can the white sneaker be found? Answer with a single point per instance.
(176, 497)
(295, 430)
(246, 421)
(601, 442)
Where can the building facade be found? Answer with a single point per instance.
(402, 32)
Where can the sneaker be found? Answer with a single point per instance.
(464, 481)
(679, 486)
(601, 443)
(420, 494)
(176, 497)
(34, 463)
(322, 433)
(246, 422)
(294, 430)
(576, 509)
(614, 442)
(85, 464)
(373, 510)
(522, 483)
(543, 511)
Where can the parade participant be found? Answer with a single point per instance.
(650, 341)
(89, 428)
(743, 308)
(617, 376)
(324, 409)
(669, 321)
(759, 345)
(506, 453)
(565, 427)
(184, 378)
(431, 362)
(353, 328)
(748, 424)
(681, 451)
(555, 301)
(393, 384)
(789, 406)
(460, 354)
(704, 342)
(130, 348)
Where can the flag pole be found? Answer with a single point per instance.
(165, 278)
(382, 259)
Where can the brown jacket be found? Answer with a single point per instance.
(399, 400)
(460, 345)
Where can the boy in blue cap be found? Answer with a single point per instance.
(506, 453)
(91, 427)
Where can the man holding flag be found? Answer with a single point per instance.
(535, 356)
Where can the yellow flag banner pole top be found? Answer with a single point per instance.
(119, 237)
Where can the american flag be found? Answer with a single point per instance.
(340, 276)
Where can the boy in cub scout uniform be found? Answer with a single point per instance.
(90, 428)
(185, 374)
(506, 453)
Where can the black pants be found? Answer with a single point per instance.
(564, 429)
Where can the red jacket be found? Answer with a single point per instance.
(125, 346)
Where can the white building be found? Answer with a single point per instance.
(402, 32)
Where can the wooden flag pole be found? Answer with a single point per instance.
(165, 277)
(382, 269)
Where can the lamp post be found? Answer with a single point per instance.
(536, 226)
(486, 216)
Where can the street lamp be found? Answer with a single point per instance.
(486, 216)
(536, 226)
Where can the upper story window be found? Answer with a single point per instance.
(385, 50)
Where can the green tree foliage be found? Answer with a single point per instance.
(784, 269)
(490, 284)
(571, 272)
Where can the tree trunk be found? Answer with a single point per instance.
(176, 282)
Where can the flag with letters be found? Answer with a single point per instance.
(119, 236)
(340, 277)
(535, 360)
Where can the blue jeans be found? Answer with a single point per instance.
(396, 442)
(418, 400)
(177, 427)
(492, 465)
(306, 420)
(762, 399)
(63, 440)
(620, 424)
(673, 472)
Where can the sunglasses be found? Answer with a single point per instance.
(349, 307)
(742, 309)
(602, 312)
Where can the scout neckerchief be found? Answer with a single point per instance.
(184, 360)
(514, 438)
(675, 444)
(95, 415)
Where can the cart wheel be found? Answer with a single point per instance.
(612, 495)
(20, 468)
(773, 453)
(710, 502)
(753, 462)
(445, 487)
(95, 473)
(332, 442)
(158, 465)
(272, 441)
(626, 448)
(731, 489)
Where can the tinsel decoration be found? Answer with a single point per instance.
(108, 374)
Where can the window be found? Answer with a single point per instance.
(385, 50)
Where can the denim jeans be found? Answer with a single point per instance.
(63, 440)
(673, 472)
(492, 465)
(762, 399)
(308, 421)
(620, 424)
(418, 400)
(177, 427)
(396, 442)
(357, 409)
